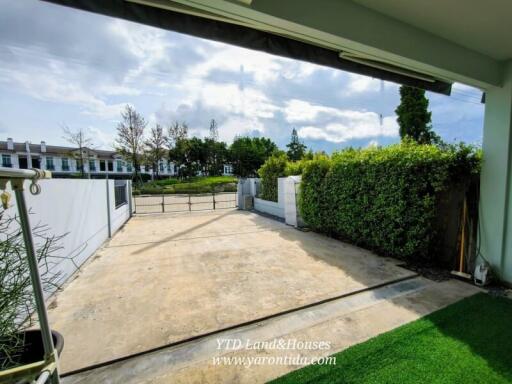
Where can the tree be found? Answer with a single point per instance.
(176, 132)
(248, 154)
(82, 141)
(296, 149)
(216, 156)
(414, 118)
(177, 144)
(130, 137)
(214, 130)
(155, 150)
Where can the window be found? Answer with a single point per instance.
(128, 167)
(49, 163)
(120, 193)
(102, 165)
(110, 166)
(65, 164)
(228, 169)
(161, 167)
(119, 167)
(92, 165)
(6, 161)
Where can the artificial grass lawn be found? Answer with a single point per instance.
(467, 342)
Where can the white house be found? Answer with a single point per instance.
(63, 161)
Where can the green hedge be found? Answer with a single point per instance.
(200, 184)
(277, 166)
(384, 199)
(273, 168)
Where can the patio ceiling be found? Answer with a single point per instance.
(482, 26)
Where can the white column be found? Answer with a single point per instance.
(496, 179)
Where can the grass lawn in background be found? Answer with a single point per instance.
(466, 342)
(199, 184)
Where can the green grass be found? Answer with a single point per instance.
(467, 342)
(200, 184)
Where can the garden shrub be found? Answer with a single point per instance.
(193, 185)
(273, 168)
(384, 199)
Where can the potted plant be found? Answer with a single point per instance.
(21, 349)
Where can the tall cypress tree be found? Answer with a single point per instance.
(296, 150)
(414, 118)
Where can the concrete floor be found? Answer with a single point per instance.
(165, 278)
(342, 323)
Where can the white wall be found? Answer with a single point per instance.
(286, 205)
(77, 208)
(271, 207)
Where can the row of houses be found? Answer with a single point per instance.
(64, 161)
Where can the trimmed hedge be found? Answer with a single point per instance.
(384, 199)
(273, 168)
(199, 184)
(277, 166)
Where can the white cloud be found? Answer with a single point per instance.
(118, 90)
(359, 83)
(229, 98)
(372, 144)
(50, 86)
(101, 138)
(300, 111)
(148, 44)
(239, 126)
(353, 125)
(262, 67)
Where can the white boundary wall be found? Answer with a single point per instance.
(79, 208)
(271, 207)
(286, 205)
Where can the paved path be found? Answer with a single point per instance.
(166, 278)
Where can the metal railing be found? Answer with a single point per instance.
(166, 203)
(17, 177)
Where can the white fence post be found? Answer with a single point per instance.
(129, 196)
(108, 210)
(290, 200)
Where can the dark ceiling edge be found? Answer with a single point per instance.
(243, 37)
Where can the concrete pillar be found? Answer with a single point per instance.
(495, 190)
(239, 193)
(291, 214)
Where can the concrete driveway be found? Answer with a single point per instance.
(168, 277)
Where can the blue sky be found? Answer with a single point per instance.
(66, 67)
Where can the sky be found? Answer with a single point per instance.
(65, 67)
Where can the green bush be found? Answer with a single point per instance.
(278, 166)
(384, 199)
(199, 184)
(273, 168)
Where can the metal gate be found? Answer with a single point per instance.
(182, 203)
